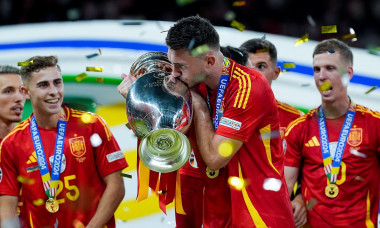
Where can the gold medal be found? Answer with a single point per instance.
(52, 205)
(331, 190)
(211, 173)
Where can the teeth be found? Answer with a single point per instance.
(52, 101)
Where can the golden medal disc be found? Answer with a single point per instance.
(331, 191)
(52, 205)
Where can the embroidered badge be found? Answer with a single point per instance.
(77, 146)
(230, 123)
(355, 137)
(193, 160)
(1, 174)
(211, 174)
(115, 156)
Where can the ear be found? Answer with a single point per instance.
(210, 60)
(350, 72)
(25, 92)
(277, 71)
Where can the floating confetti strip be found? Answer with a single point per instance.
(239, 26)
(272, 184)
(92, 55)
(191, 44)
(94, 69)
(371, 89)
(305, 85)
(328, 29)
(200, 50)
(348, 36)
(357, 153)
(302, 40)
(100, 51)
(264, 37)
(78, 224)
(230, 15)
(184, 2)
(262, 50)
(311, 204)
(237, 183)
(86, 118)
(200, 78)
(374, 50)
(25, 180)
(100, 80)
(26, 63)
(95, 140)
(238, 3)
(38, 202)
(345, 79)
(226, 148)
(289, 65)
(125, 175)
(325, 86)
(330, 52)
(161, 192)
(80, 77)
(311, 21)
(359, 178)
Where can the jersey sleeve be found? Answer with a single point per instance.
(293, 144)
(109, 157)
(8, 173)
(248, 103)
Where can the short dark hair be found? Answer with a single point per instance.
(240, 56)
(6, 69)
(39, 63)
(259, 45)
(333, 45)
(195, 28)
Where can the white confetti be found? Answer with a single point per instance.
(357, 153)
(272, 184)
(95, 140)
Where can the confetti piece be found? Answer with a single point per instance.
(161, 192)
(357, 153)
(100, 80)
(237, 183)
(95, 140)
(302, 40)
(349, 36)
(305, 85)
(374, 50)
(262, 50)
(94, 69)
(330, 52)
(25, 180)
(164, 31)
(200, 50)
(26, 63)
(328, 29)
(371, 89)
(92, 55)
(38, 202)
(226, 148)
(264, 37)
(86, 118)
(272, 184)
(238, 3)
(239, 26)
(200, 78)
(184, 2)
(80, 77)
(100, 51)
(125, 175)
(230, 15)
(359, 178)
(289, 65)
(311, 21)
(325, 86)
(345, 79)
(311, 204)
(191, 44)
(78, 224)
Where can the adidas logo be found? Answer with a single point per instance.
(32, 158)
(312, 142)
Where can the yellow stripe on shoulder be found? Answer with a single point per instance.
(360, 108)
(106, 128)
(295, 123)
(244, 90)
(289, 108)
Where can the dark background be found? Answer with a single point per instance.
(285, 17)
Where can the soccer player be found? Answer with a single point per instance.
(263, 55)
(66, 161)
(245, 114)
(336, 147)
(11, 99)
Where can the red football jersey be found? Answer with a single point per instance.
(250, 115)
(85, 162)
(356, 204)
(287, 114)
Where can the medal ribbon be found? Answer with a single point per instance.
(49, 187)
(223, 82)
(332, 165)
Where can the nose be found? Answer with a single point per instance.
(19, 96)
(53, 90)
(322, 75)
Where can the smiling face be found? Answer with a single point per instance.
(11, 99)
(45, 91)
(261, 62)
(331, 69)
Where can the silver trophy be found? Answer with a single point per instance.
(159, 112)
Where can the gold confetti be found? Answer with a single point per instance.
(80, 77)
(26, 63)
(239, 26)
(25, 180)
(237, 183)
(125, 175)
(200, 50)
(78, 224)
(311, 204)
(289, 65)
(325, 86)
(164, 31)
(86, 118)
(94, 69)
(38, 202)
(161, 192)
(302, 40)
(238, 3)
(100, 51)
(328, 29)
(371, 89)
(262, 50)
(226, 148)
(348, 36)
(100, 80)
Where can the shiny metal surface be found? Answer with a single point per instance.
(159, 112)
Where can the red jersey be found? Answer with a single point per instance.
(287, 114)
(250, 115)
(356, 204)
(84, 165)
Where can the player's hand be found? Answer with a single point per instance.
(299, 210)
(124, 86)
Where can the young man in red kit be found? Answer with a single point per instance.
(263, 55)
(245, 114)
(336, 147)
(68, 168)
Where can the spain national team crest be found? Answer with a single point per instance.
(355, 137)
(77, 146)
